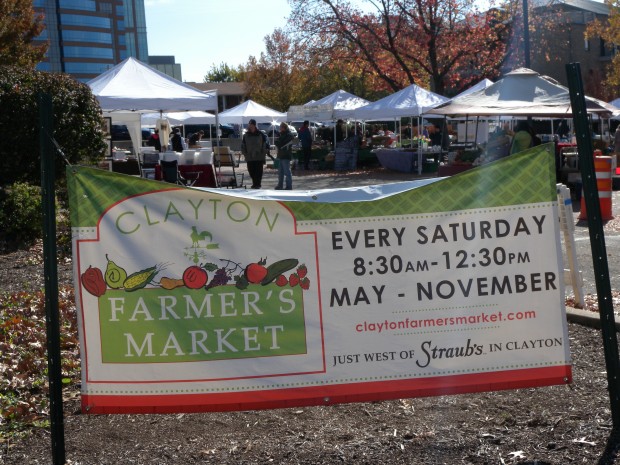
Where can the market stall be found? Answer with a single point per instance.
(522, 93)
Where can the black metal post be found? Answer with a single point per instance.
(597, 237)
(526, 35)
(51, 278)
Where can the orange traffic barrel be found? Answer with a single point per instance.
(602, 168)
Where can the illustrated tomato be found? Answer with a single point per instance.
(255, 272)
(195, 277)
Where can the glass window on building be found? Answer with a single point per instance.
(87, 36)
(87, 68)
(88, 52)
(86, 5)
(83, 20)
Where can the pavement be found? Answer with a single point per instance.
(311, 180)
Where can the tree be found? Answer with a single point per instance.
(290, 73)
(278, 77)
(609, 32)
(19, 26)
(436, 43)
(77, 122)
(224, 73)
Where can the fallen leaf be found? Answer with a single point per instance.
(583, 441)
(519, 454)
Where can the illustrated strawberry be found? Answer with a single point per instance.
(281, 281)
(302, 271)
(304, 283)
(293, 280)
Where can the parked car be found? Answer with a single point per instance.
(226, 129)
(273, 130)
(120, 132)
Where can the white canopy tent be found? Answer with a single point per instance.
(522, 92)
(412, 101)
(131, 88)
(244, 112)
(343, 103)
(408, 102)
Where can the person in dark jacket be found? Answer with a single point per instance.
(154, 141)
(284, 144)
(177, 141)
(305, 137)
(255, 147)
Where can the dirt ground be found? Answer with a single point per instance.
(554, 425)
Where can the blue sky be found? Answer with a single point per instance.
(201, 33)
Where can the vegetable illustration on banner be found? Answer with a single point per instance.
(198, 300)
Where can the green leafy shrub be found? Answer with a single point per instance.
(20, 214)
(77, 123)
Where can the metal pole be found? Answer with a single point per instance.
(51, 278)
(597, 238)
(526, 35)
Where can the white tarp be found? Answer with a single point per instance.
(521, 92)
(244, 112)
(134, 86)
(410, 101)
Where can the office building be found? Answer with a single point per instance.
(87, 37)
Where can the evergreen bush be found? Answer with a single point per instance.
(20, 214)
(77, 123)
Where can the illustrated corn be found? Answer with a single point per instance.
(139, 279)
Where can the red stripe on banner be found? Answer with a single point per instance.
(328, 394)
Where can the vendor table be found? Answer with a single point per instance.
(205, 179)
(317, 158)
(450, 170)
(405, 161)
(129, 166)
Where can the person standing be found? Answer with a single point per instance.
(617, 145)
(305, 137)
(154, 141)
(178, 141)
(194, 140)
(340, 132)
(284, 143)
(522, 139)
(254, 147)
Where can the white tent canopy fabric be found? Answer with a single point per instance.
(522, 92)
(133, 86)
(475, 88)
(179, 117)
(410, 101)
(342, 102)
(244, 112)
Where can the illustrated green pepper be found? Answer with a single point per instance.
(93, 282)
